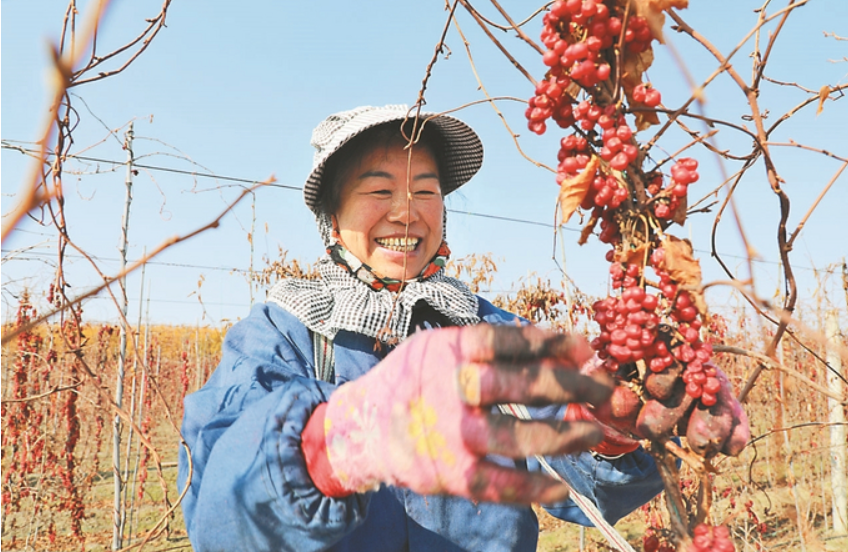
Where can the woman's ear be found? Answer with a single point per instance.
(335, 223)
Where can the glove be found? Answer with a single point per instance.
(422, 417)
(615, 442)
(617, 430)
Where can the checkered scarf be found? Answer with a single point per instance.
(341, 301)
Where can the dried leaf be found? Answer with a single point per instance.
(635, 64)
(823, 93)
(634, 254)
(652, 11)
(684, 269)
(587, 230)
(573, 190)
(678, 261)
(679, 214)
(646, 119)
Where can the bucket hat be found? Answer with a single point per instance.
(462, 153)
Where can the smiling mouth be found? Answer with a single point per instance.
(402, 245)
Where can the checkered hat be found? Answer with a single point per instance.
(463, 152)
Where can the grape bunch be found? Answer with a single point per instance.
(660, 329)
(628, 323)
(667, 199)
(711, 539)
(650, 324)
(581, 36)
(584, 39)
(651, 543)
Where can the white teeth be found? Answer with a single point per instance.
(404, 245)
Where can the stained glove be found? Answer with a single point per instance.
(422, 418)
(618, 435)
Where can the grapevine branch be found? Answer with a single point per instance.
(496, 42)
(429, 70)
(51, 391)
(516, 28)
(826, 153)
(612, 70)
(489, 99)
(783, 317)
(768, 361)
(134, 266)
(774, 180)
(815, 204)
(792, 428)
(143, 40)
(724, 64)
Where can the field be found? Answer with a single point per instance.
(58, 440)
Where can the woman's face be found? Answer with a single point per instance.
(391, 219)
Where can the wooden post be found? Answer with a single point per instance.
(117, 530)
(836, 417)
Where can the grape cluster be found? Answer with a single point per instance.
(630, 328)
(699, 376)
(593, 46)
(610, 233)
(580, 36)
(651, 543)
(606, 191)
(711, 539)
(628, 323)
(667, 200)
(581, 59)
(618, 149)
(647, 94)
(573, 156)
(550, 101)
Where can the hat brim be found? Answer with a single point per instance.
(462, 149)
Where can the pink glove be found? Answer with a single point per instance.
(422, 418)
(617, 432)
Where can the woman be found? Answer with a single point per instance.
(356, 411)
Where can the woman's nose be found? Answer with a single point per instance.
(403, 208)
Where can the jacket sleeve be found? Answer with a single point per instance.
(617, 486)
(248, 487)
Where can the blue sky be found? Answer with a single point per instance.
(234, 89)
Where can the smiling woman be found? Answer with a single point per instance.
(358, 411)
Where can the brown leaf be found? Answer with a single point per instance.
(634, 253)
(634, 66)
(683, 268)
(587, 230)
(679, 214)
(573, 190)
(652, 11)
(823, 93)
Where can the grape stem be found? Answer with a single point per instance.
(675, 503)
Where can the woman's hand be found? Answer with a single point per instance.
(422, 418)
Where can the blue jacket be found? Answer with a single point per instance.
(250, 489)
